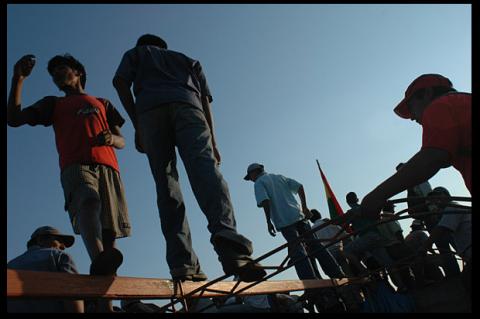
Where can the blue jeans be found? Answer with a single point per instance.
(304, 267)
(184, 126)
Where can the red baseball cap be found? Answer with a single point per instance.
(422, 82)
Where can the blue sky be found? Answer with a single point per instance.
(290, 83)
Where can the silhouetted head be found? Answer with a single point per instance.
(351, 198)
(389, 207)
(417, 225)
(315, 215)
(150, 39)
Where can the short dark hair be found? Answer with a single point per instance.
(351, 197)
(315, 215)
(67, 59)
(150, 39)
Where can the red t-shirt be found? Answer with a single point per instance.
(77, 120)
(447, 125)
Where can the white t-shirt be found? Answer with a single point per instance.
(280, 191)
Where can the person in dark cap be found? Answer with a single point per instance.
(45, 252)
(275, 194)
(438, 201)
(171, 109)
(454, 223)
(446, 119)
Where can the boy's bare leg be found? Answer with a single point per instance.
(108, 239)
(90, 226)
(91, 231)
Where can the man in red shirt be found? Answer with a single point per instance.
(446, 119)
(87, 129)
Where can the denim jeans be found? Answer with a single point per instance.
(184, 126)
(304, 268)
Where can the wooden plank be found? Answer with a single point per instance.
(22, 283)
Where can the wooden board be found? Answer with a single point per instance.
(51, 284)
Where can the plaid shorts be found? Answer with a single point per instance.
(83, 182)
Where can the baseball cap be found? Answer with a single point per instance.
(422, 82)
(417, 223)
(251, 168)
(440, 190)
(68, 240)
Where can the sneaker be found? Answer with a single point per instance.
(106, 263)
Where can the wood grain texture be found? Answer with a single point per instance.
(51, 284)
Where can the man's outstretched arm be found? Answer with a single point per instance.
(422, 166)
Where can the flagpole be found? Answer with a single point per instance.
(333, 199)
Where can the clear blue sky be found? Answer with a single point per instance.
(291, 84)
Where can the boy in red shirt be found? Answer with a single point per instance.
(87, 129)
(446, 119)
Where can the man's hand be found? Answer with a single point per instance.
(271, 229)
(105, 138)
(24, 67)
(138, 142)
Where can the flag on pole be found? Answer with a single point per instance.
(333, 206)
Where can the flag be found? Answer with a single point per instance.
(333, 206)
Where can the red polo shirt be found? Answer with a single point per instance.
(447, 125)
(77, 120)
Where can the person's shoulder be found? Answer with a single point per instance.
(106, 102)
(46, 101)
(280, 176)
(177, 54)
(131, 51)
(262, 178)
(451, 99)
(13, 264)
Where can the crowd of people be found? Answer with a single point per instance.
(170, 108)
